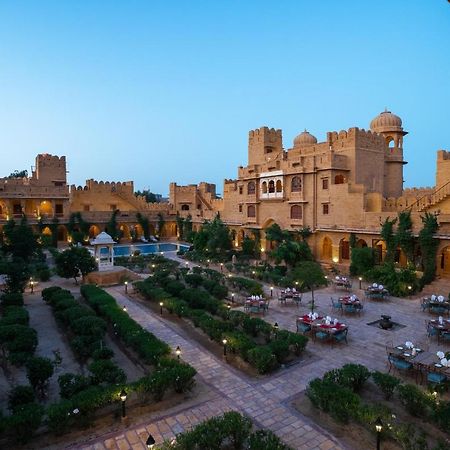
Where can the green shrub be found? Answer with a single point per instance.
(60, 417)
(25, 422)
(387, 383)
(362, 260)
(262, 359)
(414, 400)
(47, 293)
(43, 273)
(103, 353)
(239, 343)
(71, 384)
(19, 396)
(12, 299)
(352, 376)
(280, 349)
(106, 371)
(265, 440)
(174, 288)
(441, 415)
(194, 279)
(89, 326)
(15, 315)
(237, 427)
(19, 341)
(39, 370)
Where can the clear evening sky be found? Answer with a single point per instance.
(159, 91)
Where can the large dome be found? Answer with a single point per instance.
(303, 139)
(386, 120)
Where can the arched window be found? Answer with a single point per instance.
(251, 211)
(339, 179)
(184, 207)
(279, 186)
(251, 188)
(296, 184)
(264, 187)
(296, 212)
(271, 186)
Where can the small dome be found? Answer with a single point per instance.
(103, 238)
(386, 120)
(303, 139)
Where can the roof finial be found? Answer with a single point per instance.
(385, 109)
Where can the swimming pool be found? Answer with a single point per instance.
(145, 249)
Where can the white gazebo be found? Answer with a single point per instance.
(105, 260)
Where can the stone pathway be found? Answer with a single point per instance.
(268, 400)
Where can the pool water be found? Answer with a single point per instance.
(145, 249)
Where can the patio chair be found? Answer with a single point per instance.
(340, 336)
(336, 305)
(303, 327)
(424, 304)
(438, 309)
(351, 309)
(431, 331)
(434, 377)
(322, 335)
(400, 364)
(297, 299)
(445, 336)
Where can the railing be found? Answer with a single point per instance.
(428, 200)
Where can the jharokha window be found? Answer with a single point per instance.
(251, 211)
(296, 184)
(251, 188)
(324, 183)
(264, 187)
(296, 212)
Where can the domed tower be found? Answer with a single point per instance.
(304, 139)
(390, 126)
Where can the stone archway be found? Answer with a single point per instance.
(265, 244)
(62, 233)
(361, 243)
(94, 230)
(344, 249)
(125, 231)
(444, 261)
(327, 249)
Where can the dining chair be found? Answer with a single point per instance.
(336, 305)
(322, 335)
(298, 299)
(303, 327)
(351, 309)
(431, 331)
(435, 377)
(424, 304)
(445, 335)
(340, 336)
(437, 309)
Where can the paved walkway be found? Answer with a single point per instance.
(268, 400)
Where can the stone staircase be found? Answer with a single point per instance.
(440, 286)
(430, 200)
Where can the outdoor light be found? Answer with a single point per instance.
(32, 285)
(296, 283)
(150, 442)
(224, 342)
(360, 279)
(161, 304)
(187, 264)
(124, 309)
(153, 266)
(162, 253)
(409, 287)
(236, 244)
(335, 259)
(229, 307)
(126, 286)
(271, 291)
(232, 297)
(221, 267)
(253, 272)
(229, 275)
(178, 351)
(275, 328)
(209, 261)
(262, 249)
(378, 429)
(123, 398)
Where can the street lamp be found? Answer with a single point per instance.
(221, 267)
(123, 398)
(161, 304)
(224, 342)
(126, 287)
(296, 283)
(232, 297)
(271, 291)
(178, 351)
(124, 308)
(378, 429)
(360, 279)
(150, 442)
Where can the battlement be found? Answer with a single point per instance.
(443, 155)
(264, 132)
(354, 133)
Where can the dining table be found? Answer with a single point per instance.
(319, 324)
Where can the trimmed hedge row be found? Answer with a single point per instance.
(144, 343)
(231, 430)
(337, 394)
(238, 328)
(18, 341)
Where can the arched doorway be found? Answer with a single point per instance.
(380, 250)
(445, 261)
(125, 231)
(344, 249)
(45, 208)
(361, 243)
(327, 248)
(93, 231)
(62, 233)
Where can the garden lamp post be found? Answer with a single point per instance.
(232, 297)
(161, 304)
(32, 285)
(123, 398)
(124, 309)
(224, 342)
(126, 287)
(378, 429)
(178, 351)
(275, 329)
(360, 279)
(221, 267)
(296, 283)
(150, 442)
(271, 291)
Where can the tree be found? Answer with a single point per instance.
(248, 246)
(362, 260)
(288, 249)
(78, 228)
(19, 240)
(112, 227)
(180, 226)
(145, 225)
(161, 222)
(39, 370)
(73, 261)
(17, 273)
(150, 197)
(311, 276)
(428, 245)
(188, 233)
(387, 233)
(213, 238)
(404, 236)
(18, 174)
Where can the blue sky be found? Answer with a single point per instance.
(157, 91)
